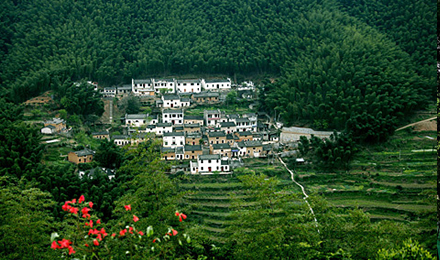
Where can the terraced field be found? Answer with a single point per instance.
(393, 181)
(211, 199)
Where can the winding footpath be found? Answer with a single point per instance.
(426, 120)
(303, 191)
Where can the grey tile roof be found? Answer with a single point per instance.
(192, 117)
(206, 94)
(193, 148)
(227, 124)
(173, 111)
(170, 97)
(142, 81)
(209, 157)
(84, 152)
(164, 124)
(250, 144)
(245, 133)
(174, 134)
(221, 146)
(216, 134)
(136, 116)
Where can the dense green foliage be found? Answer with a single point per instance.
(331, 153)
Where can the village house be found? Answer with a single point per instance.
(173, 116)
(188, 85)
(173, 139)
(193, 138)
(228, 127)
(191, 128)
(58, 124)
(138, 120)
(167, 85)
(192, 151)
(250, 148)
(178, 128)
(168, 153)
(180, 153)
(121, 140)
(231, 139)
(108, 92)
(142, 87)
(173, 101)
(244, 136)
(216, 137)
(124, 90)
(83, 156)
(209, 163)
(217, 84)
(222, 149)
(206, 97)
(193, 120)
(101, 135)
(212, 117)
(162, 128)
(244, 124)
(48, 130)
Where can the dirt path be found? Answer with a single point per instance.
(413, 124)
(303, 191)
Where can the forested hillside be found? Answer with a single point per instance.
(44, 42)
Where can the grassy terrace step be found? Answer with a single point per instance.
(381, 204)
(211, 214)
(218, 198)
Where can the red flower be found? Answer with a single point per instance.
(71, 251)
(81, 199)
(55, 245)
(99, 237)
(86, 245)
(74, 201)
(154, 240)
(73, 210)
(183, 215)
(66, 207)
(91, 223)
(64, 243)
(85, 211)
(95, 242)
(103, 232)
(130, 230)
(135, 219)
(122, 232)
(98, 221)
(127, 207)
(177, 213)
(141, 233)
(114, 234)
(91, 204)
(174, 232)
(93, 231)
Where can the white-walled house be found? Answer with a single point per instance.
(174, 139)
(167, 84)
(217, 84)
(188, 85)
(137, 120)
(108, 92)
(174, 101)
(173, 116)
(142, 87)
(209, 163)
(212, 117)
(162, 128)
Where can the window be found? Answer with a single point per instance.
(201, 168)
(209, 161)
